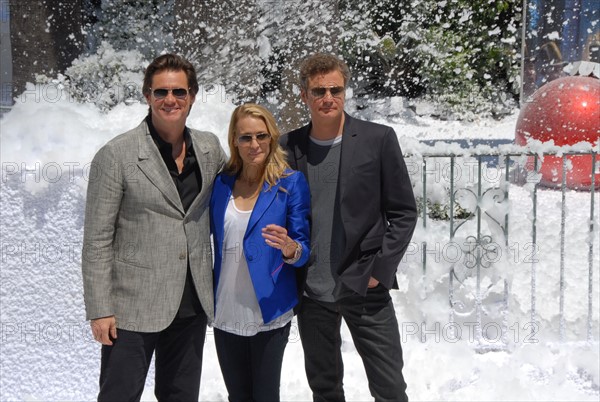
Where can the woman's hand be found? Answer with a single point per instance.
(276, 237)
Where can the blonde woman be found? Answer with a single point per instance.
(259, 220)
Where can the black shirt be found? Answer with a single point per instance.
(188, 184)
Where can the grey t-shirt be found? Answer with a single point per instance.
(327, 233)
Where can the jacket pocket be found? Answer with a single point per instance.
(369, 168)
(132, 263)
(275, 272)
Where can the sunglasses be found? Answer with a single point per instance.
(161, 93)
(320, 92)
(261, 138)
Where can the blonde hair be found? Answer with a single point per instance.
(275, 164)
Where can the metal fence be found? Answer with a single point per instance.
(478, 247)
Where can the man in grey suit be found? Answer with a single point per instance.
(362, 219)
(147, 263)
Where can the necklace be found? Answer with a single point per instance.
(246, 189)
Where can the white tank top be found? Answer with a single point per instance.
(237, 309)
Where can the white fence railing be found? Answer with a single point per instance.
(510, 261)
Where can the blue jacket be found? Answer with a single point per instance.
(274, 281)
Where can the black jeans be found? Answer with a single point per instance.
(374, 329)
(178, 362)
(251, 365)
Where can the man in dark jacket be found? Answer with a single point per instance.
(363, 216)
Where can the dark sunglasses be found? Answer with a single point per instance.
(161, 93)
(320, 92)
(261, 138)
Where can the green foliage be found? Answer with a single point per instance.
(380, 58)
(441, 212)
(461, 55)
(142, 25)
(105, 78)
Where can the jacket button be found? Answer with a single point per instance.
(182, 256)
(249, 258)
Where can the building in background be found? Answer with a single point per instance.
(6, 99)
(558, 34)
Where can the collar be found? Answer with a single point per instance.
(164, 145)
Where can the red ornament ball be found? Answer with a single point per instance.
(566, 111)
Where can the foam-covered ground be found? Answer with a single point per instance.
(47, 354)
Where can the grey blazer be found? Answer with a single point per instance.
(137, 238)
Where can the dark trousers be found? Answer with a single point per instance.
(251, 365)
(178, 362)
(374, 329)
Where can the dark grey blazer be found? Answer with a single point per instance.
(378, 207)
(137, 237)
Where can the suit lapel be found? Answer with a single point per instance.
(151, 163)
(301, 149)
(347, 159)
(265, 199)
(206, 168)
(223, 188)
